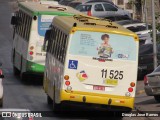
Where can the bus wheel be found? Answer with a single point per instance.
(49, 100)
(23, 77)
(15, 71)
(1, 102)
(157, 98)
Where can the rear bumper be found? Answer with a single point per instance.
(100, 99)
(34, 67)
(150, 91)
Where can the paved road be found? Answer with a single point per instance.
(146, 103)
(32, 96)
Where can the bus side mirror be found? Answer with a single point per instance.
(1, 76)
(13, 20)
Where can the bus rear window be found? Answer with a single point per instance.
(44, 21)
(103, 45)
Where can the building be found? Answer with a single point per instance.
(138, 9)
(125, 4)
(149, 10)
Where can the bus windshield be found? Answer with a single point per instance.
(103, 45)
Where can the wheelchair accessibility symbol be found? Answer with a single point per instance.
(73, 64)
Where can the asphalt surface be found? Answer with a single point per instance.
(31, 96)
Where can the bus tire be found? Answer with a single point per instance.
(1, 102)
(49, 100)
(16, 72)
(22, 77)
(157, 98)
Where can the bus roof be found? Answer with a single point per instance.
(87, 23)
(38, 8)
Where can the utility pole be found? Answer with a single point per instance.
(146, 13)
(154, 34)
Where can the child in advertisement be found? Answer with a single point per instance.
(105, 50)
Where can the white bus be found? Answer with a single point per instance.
(90, 60)
(30, 24)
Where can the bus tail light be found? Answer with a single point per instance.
(31, 52)
(32, 47)
(31, 57)
(132, 84)
(130, 89)
(67, 83)
(69, 88)
(128, 94)
(145, 80)
(89, 13)
(1, 72)
(66, 77)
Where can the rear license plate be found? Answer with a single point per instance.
(96, 87)
(111, 82)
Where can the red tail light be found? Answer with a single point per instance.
(1, 72)
(130, 89)
(145, 80)
(89, 13)
(67, 83)
(31, 52)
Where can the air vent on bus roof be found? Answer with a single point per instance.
(84, 17)
(87, 23)
(111, 26)
(83, 20)
(49, 2)
(58, 8)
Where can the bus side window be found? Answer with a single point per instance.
(26, 27)
(57, 47)
(59, 44)
(18, 21)
(21, 16)
(54, 42)
(65, 47)
(62, 48)
(23, 25)
(48, 45)
(15, 23)
(51, 40)
(29, 27)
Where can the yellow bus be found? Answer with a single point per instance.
(90, 60)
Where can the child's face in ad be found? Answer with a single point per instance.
(106, 40)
